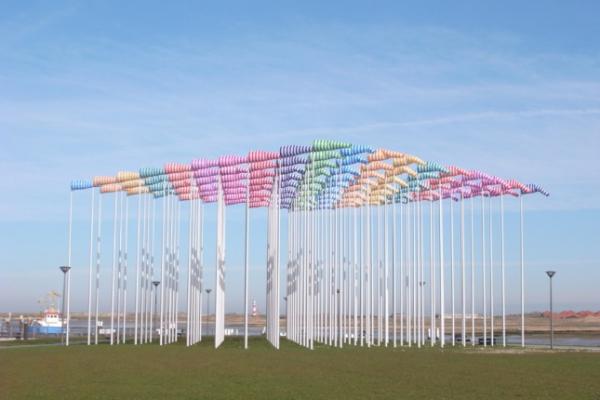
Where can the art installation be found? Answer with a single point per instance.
(378, 243)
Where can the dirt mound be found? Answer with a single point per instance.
(572, 314)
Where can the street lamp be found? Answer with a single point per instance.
(207, 307)
(550, 275)
(65, 270)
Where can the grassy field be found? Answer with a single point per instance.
(201, 372)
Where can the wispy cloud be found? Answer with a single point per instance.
(86, 91)
(104, 104)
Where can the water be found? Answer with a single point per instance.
(79, 328)
(563, 339)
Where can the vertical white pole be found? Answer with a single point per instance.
(220, 268)
(402, 257)
(188, 334)
(522, 273)
(354, 272)
(503, 274)
(247, 266)
(386, 313)
(142, 276)
(144, 271)
(369, 276)
(491, 271)
(161, 337)
(98, 254)
(70, 229)
(410, 260)
(442, 279)
(277, 280)
(452, 300)
(114, 271)
(68, 305)
(200, 266)
(472, 273)
(412, 322)
(68, 277)
(125, 256)
(119, 269)
(89, 329)
(421, 277)
(422, 271)
(463, 275)
(483, 262)
(137, 272)
(394, 276)
(418, 273)
(362, 280)
(431, 278)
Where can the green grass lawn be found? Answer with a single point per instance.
(201, 372)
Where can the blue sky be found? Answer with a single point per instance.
(92, 88)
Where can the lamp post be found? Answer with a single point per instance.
(207, 307)
(65, 269)
(550, 275)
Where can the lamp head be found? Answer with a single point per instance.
(64, 268)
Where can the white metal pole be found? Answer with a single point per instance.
(137, 272)
(491, 271)
(483, 266)
(188, 339)
(68, 305)
(402, 258)
(522, 273)
(442, 278)
(114, 271)
(70, 230)
(125, 257)
(119, 269)
(409, 274)
(162, 272)
(386, 314)
(452, 300)
(89, 329)
(98, 262)
(246, 267)
(68, 276)
(431, 279)
(394, 277)
(415, 279)
(503, 271)
(472, 273)
(421, 274)
(463, 274)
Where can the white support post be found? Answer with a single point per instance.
(89, 327)
(521, 223)
(442, 279)
(247, 265)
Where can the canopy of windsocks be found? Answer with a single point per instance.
(326, 174)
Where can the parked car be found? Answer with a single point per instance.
(458, 338)
(488, 341)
